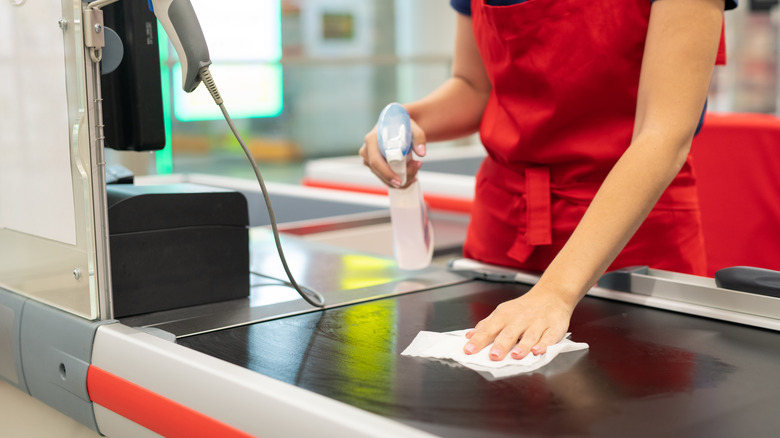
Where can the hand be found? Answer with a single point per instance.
(373, 159)
(537, 319)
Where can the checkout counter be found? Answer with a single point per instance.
(669, 355)
(676, 348)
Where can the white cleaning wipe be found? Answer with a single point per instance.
(449, 345)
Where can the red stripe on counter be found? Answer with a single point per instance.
(153, 411)
(445, 203)
(436, 202)
(308, 182)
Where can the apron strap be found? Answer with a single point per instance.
(538, 214)
(721, 58)
(537, 192)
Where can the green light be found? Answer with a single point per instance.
(250, 90)
(246, 49)
(164, 157)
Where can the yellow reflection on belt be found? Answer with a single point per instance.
(360, 271)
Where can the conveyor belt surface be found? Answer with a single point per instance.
(648, 372)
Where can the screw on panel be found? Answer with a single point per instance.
(98, 28)
(77, 273)
(63, 23)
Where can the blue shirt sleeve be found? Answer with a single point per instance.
(464, 6)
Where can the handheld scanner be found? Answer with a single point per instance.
(183, 28)
(394, 133)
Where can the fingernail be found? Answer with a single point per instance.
(537, 350)
(517, 354)
(421, 148)
(470, 348)
(418, 164)
(495, 353)
(395, 182)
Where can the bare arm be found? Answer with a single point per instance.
(680, 52)
(452, 110)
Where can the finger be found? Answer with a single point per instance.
(529, 339)
(550, 337)
(470, 333)
(412, 167)
(418, 140)
(382, 170)
(481, 337)
(363, 152)
(504, 341)
(376, 162)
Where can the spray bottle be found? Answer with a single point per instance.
(412, 228)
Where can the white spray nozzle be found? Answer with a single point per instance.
(394, 134)
(394, 131)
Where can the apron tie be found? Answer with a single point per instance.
(538, 214)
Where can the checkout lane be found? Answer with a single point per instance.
(357, 345)
(262, 363)
(699, 375)
(702, 377)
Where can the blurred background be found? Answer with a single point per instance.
(306, 79)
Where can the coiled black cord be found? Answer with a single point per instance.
(311, 296)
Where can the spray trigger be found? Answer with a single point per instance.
(394, 134)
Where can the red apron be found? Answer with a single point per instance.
(565, 76)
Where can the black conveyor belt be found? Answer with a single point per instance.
(648, 372)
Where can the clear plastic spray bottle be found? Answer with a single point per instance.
(412, 228)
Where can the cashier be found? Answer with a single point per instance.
(587, 110)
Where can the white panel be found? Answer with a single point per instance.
(36, 192)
